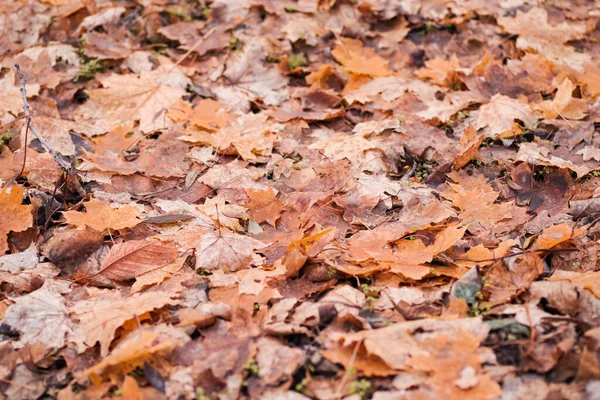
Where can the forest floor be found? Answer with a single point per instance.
(280, 199)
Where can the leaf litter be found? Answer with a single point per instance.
(299, 199)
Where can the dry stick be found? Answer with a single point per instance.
(59, 158)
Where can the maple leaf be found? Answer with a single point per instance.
(97, 318)
(41, 317)
(251, 79)
(100, 216)
(564, 104)
(415, 251)
(125, 98)
(358, 59)
(439, 71)
(264, 206)
(207, 114)
(585, 280)
(381, 351)
(469, 146)
(225, 250)
(139, 346)
(535, 32)
(499, 117)
(14, 216)
(475, 199)
(453, 368)
(251, 136)
(537, 154)
(130, 259)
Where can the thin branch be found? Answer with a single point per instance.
(59, 158)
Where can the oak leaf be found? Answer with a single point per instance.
(130, 259)
(14, 216)
(100, 216)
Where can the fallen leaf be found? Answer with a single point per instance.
(358, 59)
(207, 114)
(225, 250)
(453, 368)
(439, 71)
(97, 318)
(264, 206)
(469, 145)
(500, 115)
(564, 104)
(100, 216)
(41, 317)
(14, 216)
(133, 258)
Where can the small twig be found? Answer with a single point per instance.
(59, 158)
(531, 333)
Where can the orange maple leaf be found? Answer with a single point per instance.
(14, 216)
(360, 60)
(100, 216)
(264, 206)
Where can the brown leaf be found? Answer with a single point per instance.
(41, 317)
(225, 250)
(469, 146)
(264, 206)
(130, 259)
(103, 312)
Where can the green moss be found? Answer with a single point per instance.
(296, 60)
(252, 367)
(361, 387)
